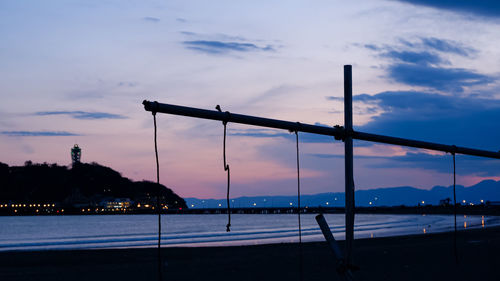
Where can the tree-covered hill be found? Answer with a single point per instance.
(78, 184)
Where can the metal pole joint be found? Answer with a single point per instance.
(453, 149)
(341, 136)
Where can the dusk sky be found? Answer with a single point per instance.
(78, 71)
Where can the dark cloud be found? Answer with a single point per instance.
(264, 133)
(336, 99)
(37, 133)
(370, 110)
(488, 8)
(219, 47)
(259, 133)
(465, 165)
(443, 79)
(83, 114)
(341, 156)
(151, 19)
(447, 46)
(371, 47)
(420, 64)
(188, 33)
(227, 37)
(303, 137)
(360, 110)
(420, 58)
(435, 44)
(463, 121)
(217, 37)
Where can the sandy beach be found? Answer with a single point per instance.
(416, 257)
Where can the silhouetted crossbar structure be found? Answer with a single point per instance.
(345, 134)
(338, 133)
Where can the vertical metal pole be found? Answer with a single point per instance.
(349, 178)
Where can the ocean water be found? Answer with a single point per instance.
(127, 231)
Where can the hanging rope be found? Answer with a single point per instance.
(226, 168)
(301, 273)
(454, 209)
(160, 277)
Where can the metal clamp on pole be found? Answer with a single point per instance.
(341, 136)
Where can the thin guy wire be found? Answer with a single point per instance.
(301, 273)
(160, 277)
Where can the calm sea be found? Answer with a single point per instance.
(123, 231)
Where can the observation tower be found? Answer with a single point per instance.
(76, 154)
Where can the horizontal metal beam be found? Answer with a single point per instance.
(425, 145)
(241, 119)
(337, 132)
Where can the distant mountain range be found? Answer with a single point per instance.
(488, 190)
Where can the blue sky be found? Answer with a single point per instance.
(77, 72)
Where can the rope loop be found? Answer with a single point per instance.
(301, 274)
(158, 205)
(226, 167)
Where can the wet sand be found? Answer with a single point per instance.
(416, 257)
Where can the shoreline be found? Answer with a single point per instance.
(410, 257)
(487, 210)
